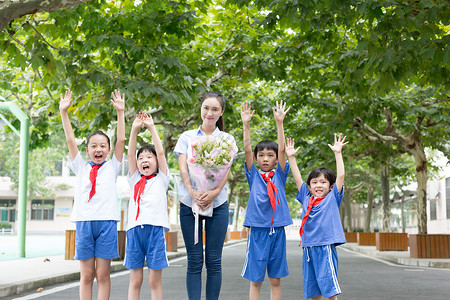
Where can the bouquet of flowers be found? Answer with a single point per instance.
(211, 158)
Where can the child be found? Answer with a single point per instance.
(267, 209)
(96, 205)
(148, 220)
(321, 230)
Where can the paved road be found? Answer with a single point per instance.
(360, 277)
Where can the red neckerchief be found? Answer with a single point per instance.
(93, 179)
(312, 202)
(139, 189)
(270, 188)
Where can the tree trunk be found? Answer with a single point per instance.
(403, 213)
(342, 213)
(421, 174)
(386, 201)
(370, 191)
(13, 9)
(348, 210)
(236, 213)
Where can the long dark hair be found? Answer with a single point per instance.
(221, 99)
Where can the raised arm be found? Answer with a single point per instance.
(132, 164)
(118, 102)
(64, 105)
(337, 149)
(291, 152)
(162, 163)
(246, 116)
(279, 113)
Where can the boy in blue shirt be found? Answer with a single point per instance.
(321, 230)
(267, 209)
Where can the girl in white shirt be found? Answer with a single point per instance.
(148, 220)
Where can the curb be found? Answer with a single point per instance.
(442, 263)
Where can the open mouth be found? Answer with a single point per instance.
(98, 156)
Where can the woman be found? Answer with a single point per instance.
(212, 109)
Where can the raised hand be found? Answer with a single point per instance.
(137, 123)
(279, 111)
(118, 101)
(290, 149)
(148, 120)
(338, 143)
(246, 112)
(66, 101)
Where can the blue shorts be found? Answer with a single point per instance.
(320, 271)
(96, 239)
(146, 241)
(266, 250)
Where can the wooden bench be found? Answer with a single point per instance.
(235, 235)
(351, 237)
(391, 241)
(429, 245)
(172, 241)
(366, 239)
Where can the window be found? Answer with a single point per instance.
(447, 195)
(432, 210)
(42, 209)
(7, 210)
(124, 171)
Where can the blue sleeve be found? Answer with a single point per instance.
(303, 194)
(338, 196)
(182, 145)
(249, 173)
(284, 174)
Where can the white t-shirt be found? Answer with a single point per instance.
(183, 145)
(153, 203)
(104, 205)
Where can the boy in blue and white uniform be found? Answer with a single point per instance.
(148, 220)
(321, 229)
(267, 209)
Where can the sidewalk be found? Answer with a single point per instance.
(17, 276)
(399, 257)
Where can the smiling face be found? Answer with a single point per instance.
(98, 148)
(147, 163)
(266, 159)
(320, 186)
(211, 111)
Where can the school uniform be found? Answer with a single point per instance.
(96, 217)
(266, 244)
(322, 233)
(148, 221)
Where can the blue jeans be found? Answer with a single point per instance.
(215, 231)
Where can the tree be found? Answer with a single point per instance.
(413, 129)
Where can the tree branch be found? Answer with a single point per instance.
(216, 77)
(373, 135)
(13, 9)
(41, 36)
